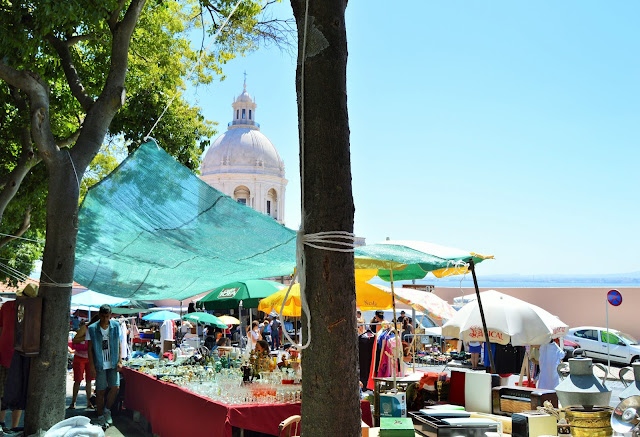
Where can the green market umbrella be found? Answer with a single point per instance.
(249, 292)
(400, 260)
(205, 319)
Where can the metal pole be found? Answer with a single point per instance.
(413, 339)
(606, 304)
(241, 327)
(484, 322)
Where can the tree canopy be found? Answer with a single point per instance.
(69, 46)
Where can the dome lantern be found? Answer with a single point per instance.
(244, 110)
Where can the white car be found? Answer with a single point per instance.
(623, 348)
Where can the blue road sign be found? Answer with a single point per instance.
(614, 297)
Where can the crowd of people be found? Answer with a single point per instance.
(270, 330)
(378, 322)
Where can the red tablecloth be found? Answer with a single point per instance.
(174, 411)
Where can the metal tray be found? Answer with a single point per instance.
(435, 427)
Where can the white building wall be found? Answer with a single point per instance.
(259, 186)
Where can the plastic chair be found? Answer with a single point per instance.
(289, 427)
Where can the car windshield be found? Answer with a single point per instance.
(629, 339)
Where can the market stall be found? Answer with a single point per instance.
(172, 410)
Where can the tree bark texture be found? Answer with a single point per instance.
(47, 382)
(331, 403)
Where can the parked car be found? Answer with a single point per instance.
(595, 341)
(568, 347)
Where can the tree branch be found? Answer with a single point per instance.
(26, 224)
(267, 4)
(38, 93)
(75, 84)
(121, 41)
(24, 80)
(111, 99)
(70, 140)
(71, 41)
(11, 182)
(113, 16)
(14, 179)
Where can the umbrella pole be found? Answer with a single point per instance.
(484, 322)
(241, 327)
(395, 330)
(413, 339)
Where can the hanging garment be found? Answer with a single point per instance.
(135, 332)
(166, 333)
(124, 343)
(388, 365)
(375, 357)
(486, 360)
(508, 358)
(366, 342)
(550, 356)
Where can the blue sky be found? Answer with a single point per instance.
(507, 128)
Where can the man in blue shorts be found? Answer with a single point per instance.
(105, 362)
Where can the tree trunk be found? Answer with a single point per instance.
(47, 382)
(331, 404)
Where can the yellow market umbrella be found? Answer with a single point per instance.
(368, 297)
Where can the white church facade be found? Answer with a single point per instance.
(244, 164)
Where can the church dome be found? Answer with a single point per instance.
(242, 150)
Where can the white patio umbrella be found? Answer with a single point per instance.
(508, 320)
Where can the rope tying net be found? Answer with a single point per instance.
(323, 241)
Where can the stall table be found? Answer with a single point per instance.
(173, 411)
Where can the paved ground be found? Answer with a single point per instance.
(123, 424)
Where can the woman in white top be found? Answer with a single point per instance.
(253, 335)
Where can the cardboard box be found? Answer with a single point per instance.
(396, 427)
(393, 404)
(506, 421)
(365, 429)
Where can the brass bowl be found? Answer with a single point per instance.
(594, 422)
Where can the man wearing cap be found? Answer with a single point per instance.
(105, 361)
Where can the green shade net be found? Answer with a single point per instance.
(153, 230)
